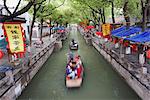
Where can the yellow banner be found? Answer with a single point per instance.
(15, 37)
(106, 29)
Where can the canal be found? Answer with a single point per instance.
(101, 82)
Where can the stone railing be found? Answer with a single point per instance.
(24, 72)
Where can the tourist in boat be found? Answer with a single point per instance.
(71, 70)
(77, 59)
(79, 70)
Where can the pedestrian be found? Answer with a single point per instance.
(148, 55)
(142, 59)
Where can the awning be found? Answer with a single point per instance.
(118, 30)
(61, 28)
(130, 31)
(55, 28)
(140, 38)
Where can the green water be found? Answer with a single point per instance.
(101, 82)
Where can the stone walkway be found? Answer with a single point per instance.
(4, 61)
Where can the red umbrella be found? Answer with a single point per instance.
(121, 41)
(61, 31)
(115, 40)
(90, 27)
(111, 39)
(148, 54)
(134, 47)
(107, 36)
(126, 44)
(1, 54)
(86, 30)
(99, 33)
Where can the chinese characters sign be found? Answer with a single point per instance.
(106, 29)
(14, 36)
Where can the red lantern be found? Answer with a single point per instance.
(90, 27)
(148, 54)
(134, 47)
(126, 44)
(21, 55)
(111, 39)
(115, 40)
(85, 30)
(1, 54)
(107, 36)
(99, 33)
(121, 41)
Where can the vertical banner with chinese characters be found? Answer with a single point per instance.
(106, 29)
(14, 36)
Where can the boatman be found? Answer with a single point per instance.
(70, 56)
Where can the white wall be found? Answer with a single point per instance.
(1, 32)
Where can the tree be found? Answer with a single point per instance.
(36, 6)
(97, 9)
(125, 12)
(16, 11)
(145, 4)
(44, 13)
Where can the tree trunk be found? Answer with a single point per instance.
(50, 30)
(41, 29)
(104, 18)
(57, 24)
(112, 12)
(94, 16)
(125, 13)
(148, 10)
(33, 20)
(145, 14)
(144, 19)
(23, 10)
(99, 23)
(101, 16)
(148, 15)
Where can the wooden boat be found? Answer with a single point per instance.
(74, 45)
(74, 82)
(77, 81)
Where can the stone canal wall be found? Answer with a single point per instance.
(25, 72)
(130, 72)
(136, 85)
(28, 72)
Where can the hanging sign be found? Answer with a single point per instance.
(106, 29)
(14, 37)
